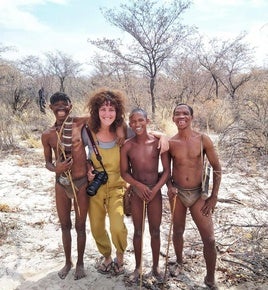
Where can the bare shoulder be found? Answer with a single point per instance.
(45, 132)
(174, 138)
(152, 137)
(47, 135)
(207, 142)
(129, 141)
(48, 131)
(81, 120)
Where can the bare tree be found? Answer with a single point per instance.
(155, 30)
(15, 90)
(4, 49)
(31, 66)
(228, 62)
(62, 66)
(190, 79)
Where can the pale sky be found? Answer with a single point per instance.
(34, 27)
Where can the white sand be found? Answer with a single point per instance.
(31, 251)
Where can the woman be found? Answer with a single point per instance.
(107, 112)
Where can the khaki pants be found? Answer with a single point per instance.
(108, 201)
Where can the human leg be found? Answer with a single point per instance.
(206, 230)
(117, 226)
(80, 226)
(63, 205)
(179, 219)
(97, 214)
(137, 218)
(154, 211)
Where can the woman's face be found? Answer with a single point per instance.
(107, 114)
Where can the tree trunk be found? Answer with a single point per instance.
(152, 85)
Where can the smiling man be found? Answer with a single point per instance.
(185, 185)
(64, 140)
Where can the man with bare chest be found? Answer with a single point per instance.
(186, 150)
(64, 141)
(139, 159)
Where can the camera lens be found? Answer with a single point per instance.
(100, 178)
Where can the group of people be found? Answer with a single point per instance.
(90, 151)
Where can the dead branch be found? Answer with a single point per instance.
(230, 200)
(247, 226)
(229, 244)
(245, 266)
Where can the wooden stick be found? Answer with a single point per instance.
(143, 226)
(169, 238)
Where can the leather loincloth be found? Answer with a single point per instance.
(78, 183)
(188, 196)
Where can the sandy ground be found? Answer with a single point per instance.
(31, 252)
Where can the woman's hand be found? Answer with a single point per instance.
(90, 173)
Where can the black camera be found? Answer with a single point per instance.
(99, 179)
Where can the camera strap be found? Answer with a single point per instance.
(94, 146)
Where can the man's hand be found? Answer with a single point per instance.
(163, 144)
(144, 192)
(62, 166)
(209, 206)
(172, 191)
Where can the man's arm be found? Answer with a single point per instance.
(164, 175)
(143, 191)
(58, 167)
(216, 175)
(124, 165)
(213, 159)
(47, 153)
(163, 144)
(172, 191)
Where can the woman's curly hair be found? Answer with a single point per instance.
(102, 96)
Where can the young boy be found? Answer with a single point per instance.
(139, 167)
(65, 141)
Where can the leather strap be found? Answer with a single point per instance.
(94, 146)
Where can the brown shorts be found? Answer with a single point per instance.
(78, 183)
(188, 196)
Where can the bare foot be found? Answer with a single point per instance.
(134, 277)
(211, 285)
(157, 274)
(65, 270)
(176, 269)
(79, 272)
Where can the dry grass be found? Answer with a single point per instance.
(8, 225)
(5, 208)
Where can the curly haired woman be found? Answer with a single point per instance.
(107, 112)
